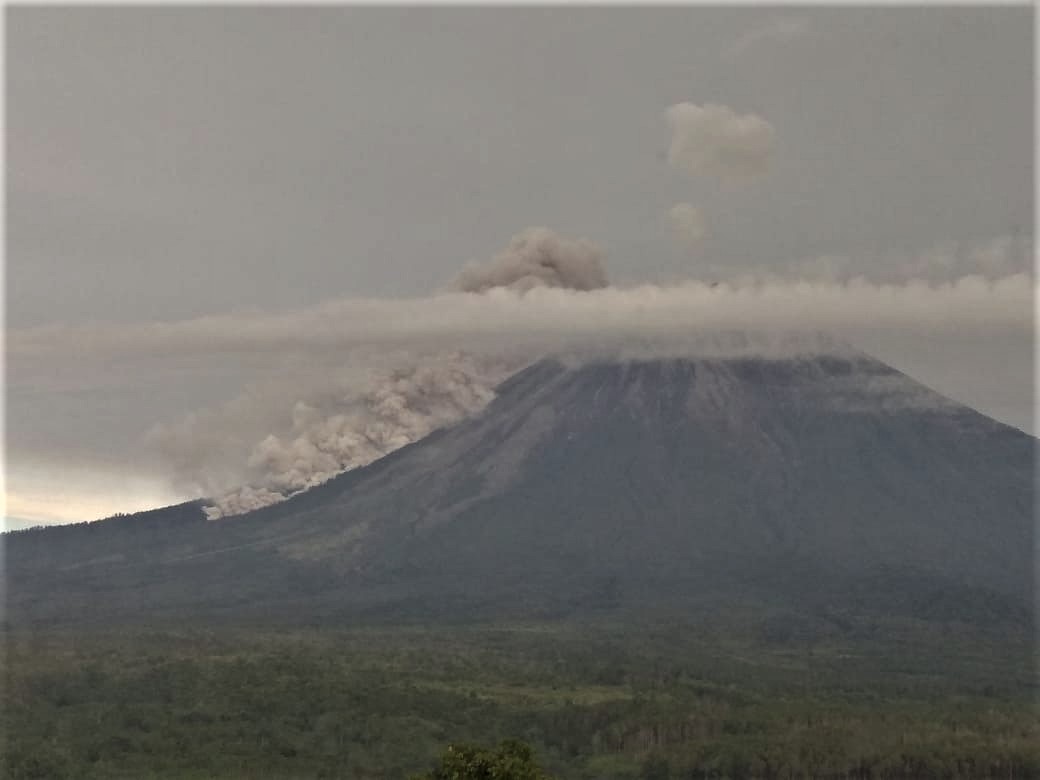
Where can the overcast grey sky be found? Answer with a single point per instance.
(171, 163)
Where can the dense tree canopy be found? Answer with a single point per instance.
(512, 760)
(670, 701)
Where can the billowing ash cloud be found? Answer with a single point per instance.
(538, 257)
(688, 224)
(714, 139)
(329, 428)
(300, 428)
(334, 429)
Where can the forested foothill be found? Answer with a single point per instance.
(623, 696)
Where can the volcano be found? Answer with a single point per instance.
(590, 485)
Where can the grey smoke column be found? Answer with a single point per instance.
(539, 257)
(332, 435)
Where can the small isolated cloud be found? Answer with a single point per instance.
(714, 139)
(688, 224)
(777, 30)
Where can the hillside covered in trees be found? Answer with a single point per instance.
(608, 699)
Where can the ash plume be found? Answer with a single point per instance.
(328, 429)
(299, 427)
(333, 429)
(538, 257)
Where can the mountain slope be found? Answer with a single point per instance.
(660, 482)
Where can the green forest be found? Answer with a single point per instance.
(623, 699)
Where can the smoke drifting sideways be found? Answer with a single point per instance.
(299, 430)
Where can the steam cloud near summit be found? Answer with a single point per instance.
(542, 294)
(539, 257)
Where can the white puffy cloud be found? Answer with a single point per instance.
(714, 139)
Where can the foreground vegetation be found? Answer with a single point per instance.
(512, 760)
(625, 700)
